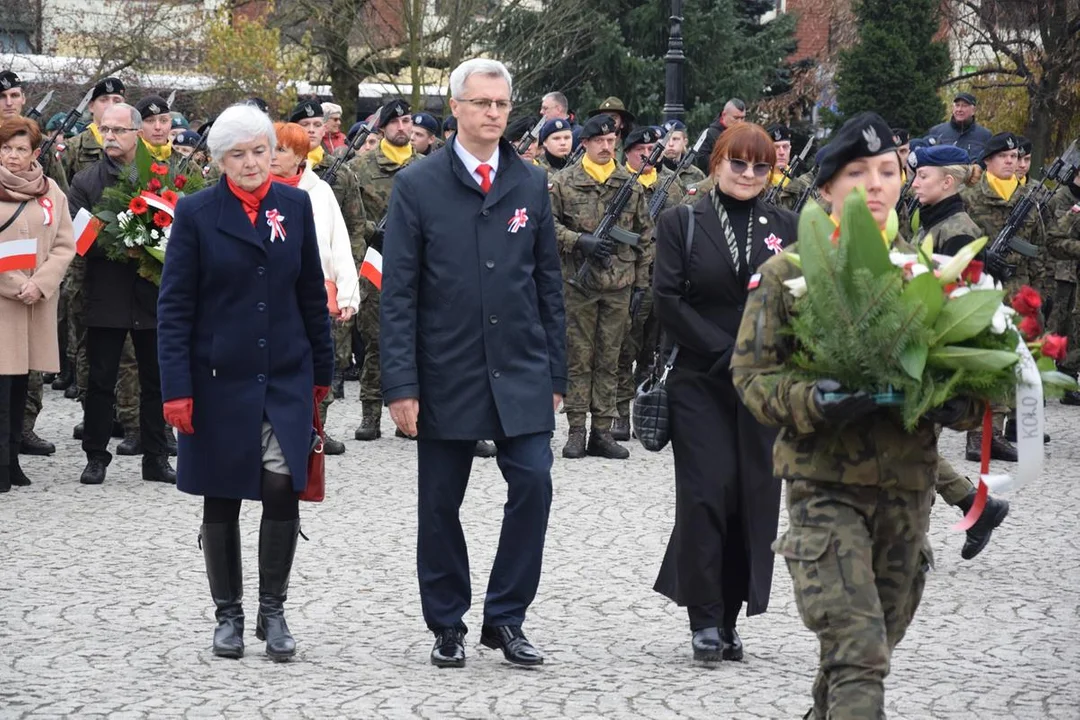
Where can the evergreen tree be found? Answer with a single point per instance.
(897, 67)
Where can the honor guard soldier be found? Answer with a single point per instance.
(677, 144)
(792, 188)
(156, 128)
(12, 96)
(449, 127)
(556, 140)
(425, 134)
(1064, 243)
(600, 277)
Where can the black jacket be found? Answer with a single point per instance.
(114, 296)
(704, 316)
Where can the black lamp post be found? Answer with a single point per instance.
(674, 84)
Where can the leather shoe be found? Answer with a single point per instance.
(1071, 397)
(978, 535)
(72, 391)
(509, 638)
(62, 381)
(131, 444)
(706, 645)
(156, 468)
(77, 432)
(733, 649)
(449, 649)
(94, 473)
(33, 445)
(485, 449)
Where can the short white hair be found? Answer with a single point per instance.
(239, 124)
(134, 116)
(477, 66)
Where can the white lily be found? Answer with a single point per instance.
(959, 292)
(796, 286)
(900, 259)
(918, 269)
(952, 269)
(1002, 319)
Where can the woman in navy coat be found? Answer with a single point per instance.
(244, 347)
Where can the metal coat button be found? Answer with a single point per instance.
(261, 271)
(262, 342)
(261, 378)
(485, 213)
(494, 320)
(490, 264)
(261, 307)
(495, 373)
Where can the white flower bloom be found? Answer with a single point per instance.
(1002, 319)
(796, 286)
(959, 292)
(154, 234)
(167, 232)
(128, 242)
(900, 259)
(918, 269)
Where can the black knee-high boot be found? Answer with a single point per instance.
(277, 546)
(221, 549)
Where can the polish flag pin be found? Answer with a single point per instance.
(519, 220)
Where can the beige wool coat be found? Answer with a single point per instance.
(28, 332)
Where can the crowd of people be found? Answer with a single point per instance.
(458, 270)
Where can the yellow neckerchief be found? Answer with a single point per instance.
(884, 235)
(599, 173)
(314, 157)
(777, 176)
(903, 176)
(647, 179)
(96, 133)
(1003, 188)
(395, 154)
(161, 153)
(1023, 180)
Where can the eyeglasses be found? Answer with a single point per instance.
(117, 131)
(739, 167)
(483, 104)
(16, 151)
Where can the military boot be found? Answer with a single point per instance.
(34, 445)
(369, 425)
(1071, 397)
(131, 444)
(64, 380)
(337, 385)
(332, 446)
(156, 468)
(485, 449)
(620, 428)
(575, 444)
(1010, 432)
(71, 392)
(601, 444)
(978, 535)
(1000, 448)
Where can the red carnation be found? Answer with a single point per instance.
(162, 219)
(973, 272)
(1027, 301)
(1054, 346)
(180, 181)
(169, 196)
(154, 185)
(1030, 328)
(159, 169)
(138, 205)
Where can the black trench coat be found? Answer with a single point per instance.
(727, 501)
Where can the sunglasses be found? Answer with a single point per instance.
(739, 167)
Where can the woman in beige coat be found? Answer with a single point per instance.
(36, 245)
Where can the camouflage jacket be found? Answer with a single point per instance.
(675, 190)
(690, 175)
(697, 190)
(541, 161)
(375, 177)
(949, 225)
(990, 213)
(347, 191)
(792, 191)
(1059, 217)
(876, 450)
(82, 151)
(578, 203)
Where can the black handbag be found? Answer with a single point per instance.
(649, 413)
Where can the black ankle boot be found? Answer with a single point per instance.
(277, 546)
(221, 550)
(18, 477)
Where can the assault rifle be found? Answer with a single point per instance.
(789, 172)
(73, 116)
(574, 157)
(37, 110)
(1062, 172)
(528, 138)
(904, 202)
(661, 195)
(366, 128)
(199, 147)
(607, 231)
(806, 193)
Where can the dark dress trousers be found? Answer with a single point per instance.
(726, 500)
(243, 330)
(472, 325)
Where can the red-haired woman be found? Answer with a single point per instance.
(726, 499)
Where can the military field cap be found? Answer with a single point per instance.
(179, 121)
(450, 123)
(938, 156)
(864, 135)
(152, 105)
(1002, 142)
(553, 126)
(9, 80)
(188, 138)
(674, 126)
(597, 125)
(259, 103)
(1025, 146)
(901, 136)
(306, 110)
(779, 133)
(426, 121)
(613, 105)
(329, 108)
(109, 86)
(965, 97)
(642, 136)
(393, 109)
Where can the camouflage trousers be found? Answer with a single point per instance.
(76, 340)
(951, 485)
(367, 322)
(1065, 320)
(127, 387)
(35, 391)
(858, 557)
(341, 333)
(596, 325)
(631, 353)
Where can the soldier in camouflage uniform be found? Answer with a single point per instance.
(859, 486)
(676, 148)
(425, 134)
(598, 306)
(1064, 241)
(556, 142)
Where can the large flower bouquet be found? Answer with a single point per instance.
(137, 212)
(914, 328)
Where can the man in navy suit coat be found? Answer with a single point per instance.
(474, 347)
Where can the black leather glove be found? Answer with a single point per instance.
(375, 242)
(839, 407)
(952, 412)
(593, 246)
(996, 266)
(636, 297)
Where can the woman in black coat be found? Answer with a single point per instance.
(726, 499)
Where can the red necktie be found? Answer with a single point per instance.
(485, 173)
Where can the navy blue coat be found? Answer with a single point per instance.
(472, 321)
(243, 329)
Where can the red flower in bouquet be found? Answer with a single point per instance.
(973, 272)
(162, 219)
(159, 169)
(1054, 346)
(1030, 328)
(180, 181)
(138, 206)
(1027, 301)
(154, 185)
(169, 196)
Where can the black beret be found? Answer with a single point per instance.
(901, 136)
(108, 86)
(865, 135)
(426, 121)
(306, 111)
(393, 109)
(597, 125)
(965, 97)
(152, 105)
(450, 123)
(644, 135)
(9, 80)
(259, 103)
(1025, 144)
(1002, 142)
(553, 126)
(779, 133)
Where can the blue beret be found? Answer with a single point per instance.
(674, 126)
(450, 123)
(426, 121)
(864, 135)
(938, 156)
(553, 126)
(188, 138)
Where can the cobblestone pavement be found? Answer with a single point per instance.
(104, 607)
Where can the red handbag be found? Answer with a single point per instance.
(316, 466)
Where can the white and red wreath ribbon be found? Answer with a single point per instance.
(275, 220)
(158, 203)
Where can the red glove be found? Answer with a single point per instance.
(321, 391)
(178, 414)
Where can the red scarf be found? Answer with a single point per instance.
(293, 181)
(250, 200)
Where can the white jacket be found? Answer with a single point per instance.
(335, 249)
